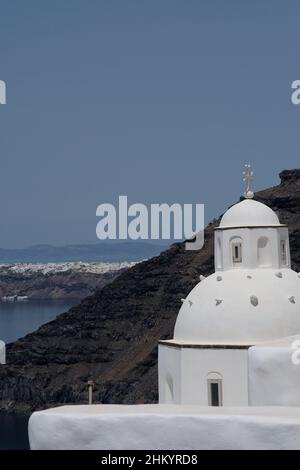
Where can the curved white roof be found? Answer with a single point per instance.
(241, 306)
(249, 213)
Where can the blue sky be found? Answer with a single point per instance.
(160, 100)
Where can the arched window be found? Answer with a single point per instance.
(283, 252)
(264, 255)
(236, 250)
(214, 389)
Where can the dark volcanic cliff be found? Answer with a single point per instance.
(111, 337)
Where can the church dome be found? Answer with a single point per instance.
(249, 213)
(241, 306)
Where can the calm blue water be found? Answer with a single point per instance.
(16, 320)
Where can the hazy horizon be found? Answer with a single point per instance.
(97, 243)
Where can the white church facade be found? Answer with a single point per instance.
(252, 298)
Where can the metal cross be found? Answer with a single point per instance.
(248, 177)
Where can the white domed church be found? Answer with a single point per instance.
(233, 346)
(253, 297)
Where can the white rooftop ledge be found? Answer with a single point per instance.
(161, 427)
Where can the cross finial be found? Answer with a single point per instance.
(248, 177)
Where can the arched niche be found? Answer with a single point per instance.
(218, 253)
(264, 255)
(169, 388)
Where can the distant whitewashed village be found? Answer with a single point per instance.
(40, 271)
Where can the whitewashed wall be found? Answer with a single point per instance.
(273, 378)
(188, 369)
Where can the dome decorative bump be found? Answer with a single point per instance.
(254, 300)
(219, 301)
(249, 277)
(201, 277)
(292, 299)
(191, 303)
(279, 274)
(219, 278)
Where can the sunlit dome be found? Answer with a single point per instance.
(241, 306)
(249, 213)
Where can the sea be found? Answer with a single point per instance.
(17, 319)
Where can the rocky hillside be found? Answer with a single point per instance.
(111, 337)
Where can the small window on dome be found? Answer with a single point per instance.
(283, 252)
(237, 252)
